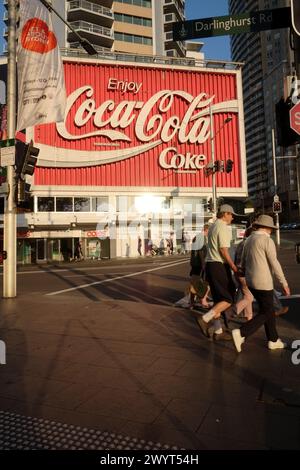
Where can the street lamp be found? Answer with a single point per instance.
(87, 46)
(73, 223)
(212, 146)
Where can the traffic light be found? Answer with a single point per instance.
(210, 205)
(208, 169)
(285, 135)
(277, 207)
(219, 166)
(23, 191)
(229, 166)
(26, 159)
(295, 12)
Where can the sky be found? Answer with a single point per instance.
(214, 48)
(217, 47)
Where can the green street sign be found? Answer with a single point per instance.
(7, 143)
(233, 24)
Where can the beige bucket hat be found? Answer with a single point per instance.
(264, 221)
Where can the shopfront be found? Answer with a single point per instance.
(41, 247)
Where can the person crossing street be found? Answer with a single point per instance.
(260, 264)
(218, 274)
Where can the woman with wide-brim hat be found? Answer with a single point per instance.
(260, 265)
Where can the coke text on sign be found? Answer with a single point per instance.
(295, 118)
(129, 125)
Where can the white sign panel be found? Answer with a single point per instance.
(8, 156)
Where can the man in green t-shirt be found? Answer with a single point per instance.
(218, 273)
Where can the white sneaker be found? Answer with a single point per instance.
(238, 339)
(277, 344)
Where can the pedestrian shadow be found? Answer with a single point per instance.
(134, 289)
(137, 291)
(14, 383)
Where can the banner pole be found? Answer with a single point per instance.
(10, 234)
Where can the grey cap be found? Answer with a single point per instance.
(264, 221)
(226, 208)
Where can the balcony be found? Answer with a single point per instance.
(96, 14)
(97, 35)
(76, 47)
(171, 44)
(181, 51)
(175, 6)
(170, 18)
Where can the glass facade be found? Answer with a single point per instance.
(70, 204)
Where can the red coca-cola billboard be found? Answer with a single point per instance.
(129, 125)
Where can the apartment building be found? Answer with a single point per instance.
(268, 61)
(138, 27)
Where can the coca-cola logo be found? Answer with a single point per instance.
(131, 126)
(148, 125)
(171, 159)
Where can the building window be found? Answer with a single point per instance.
(140, 3)
(64, 204)
(186, 204)
(100, 204)
(45, 204)
(169, 17)
(132, 38)
(125, 204)
(82, 204)
(133, 20)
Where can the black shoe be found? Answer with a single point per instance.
(224, 336)
(204, 327)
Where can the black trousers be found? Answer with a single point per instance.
(265, 316)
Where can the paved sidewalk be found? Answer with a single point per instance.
(145, 372)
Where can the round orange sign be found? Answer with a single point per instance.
(37, 37)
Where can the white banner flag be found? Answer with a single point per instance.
(41, 85)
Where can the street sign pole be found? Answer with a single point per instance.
(212, 147)
(275, 184)
(10, 242)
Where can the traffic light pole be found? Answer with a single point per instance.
(297, 67)
(10, 239)
(212, 146)
(275, 184)
(295, 13)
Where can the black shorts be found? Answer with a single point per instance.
(196, 271)
(220, 282)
